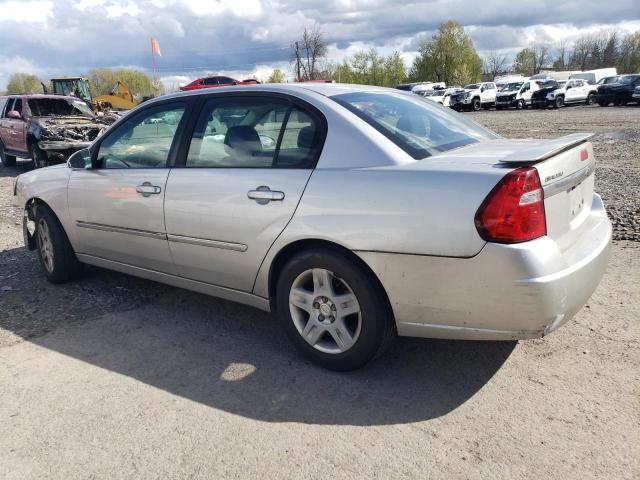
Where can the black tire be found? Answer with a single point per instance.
(38, 157)
(520, 105)
(558, 103)
(603, 103)
(377, 327)
(476, 105)
(6, 160)
(591, 99)
(63, 265)
(499, 108)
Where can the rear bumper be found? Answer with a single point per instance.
(506, 292)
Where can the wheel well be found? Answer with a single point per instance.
(299, 246)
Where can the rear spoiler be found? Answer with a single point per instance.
(540, 150)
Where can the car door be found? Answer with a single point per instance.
(571, 92)
(488, 94)
(5, 107)
(15, 127)
(525, 92)
(247, 164)
(117, 206)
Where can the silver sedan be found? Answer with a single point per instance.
(353, 213)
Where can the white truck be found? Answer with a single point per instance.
(515, 94)
(594, 76)
(474, 97)
(572, 91)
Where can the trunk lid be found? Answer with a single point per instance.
(565, 165)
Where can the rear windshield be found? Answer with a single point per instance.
(418, 126)
(46, 107)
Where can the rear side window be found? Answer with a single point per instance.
(254, 132)
(3, 102)
(17, 105)
(418, 126)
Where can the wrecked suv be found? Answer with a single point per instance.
(46, 128)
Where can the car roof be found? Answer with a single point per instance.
(325, 89)
(36, 96)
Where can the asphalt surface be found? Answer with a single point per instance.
(117, 377)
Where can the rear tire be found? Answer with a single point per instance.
(6, 160)
(55, 253)
(322, 282)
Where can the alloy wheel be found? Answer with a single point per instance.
(45, 245)
(325, 311)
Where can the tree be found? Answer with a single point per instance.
(277, 76)
(629, 55)
(23, 83)
(448, 57)
(561, 62)
(394, 70)
(494, 64)
(103, 80)
(525, 62)
(309, 52)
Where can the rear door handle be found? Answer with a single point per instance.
(264, 194)
(147, 189)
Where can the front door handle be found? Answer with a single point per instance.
(147, 189)
(264, 194)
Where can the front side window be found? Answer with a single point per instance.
(253, 133)
(17, 106)
(143, 140)
(419, 127)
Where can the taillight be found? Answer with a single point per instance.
(514, 210)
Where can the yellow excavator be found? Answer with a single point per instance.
(120, 98)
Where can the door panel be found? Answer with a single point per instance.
(248, 163)
(217, 234)
(118, 205)
(116, 222)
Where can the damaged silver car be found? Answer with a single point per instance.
(46, 129)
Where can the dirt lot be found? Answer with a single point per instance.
(116, 377)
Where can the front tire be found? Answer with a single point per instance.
(558, 103)
(520, 105)
(55, 253)
(333, 310)
(591, 99)
(38, 157)
(475, 105)
(6, 160)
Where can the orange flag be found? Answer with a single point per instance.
(155, 47)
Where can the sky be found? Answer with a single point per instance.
(248, 38)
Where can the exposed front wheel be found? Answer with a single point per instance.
(38, 157)
(559, 102)
(475, 104)
(333, 310)
(56, 255)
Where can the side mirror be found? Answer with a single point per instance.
(80, 160)
(14, 114)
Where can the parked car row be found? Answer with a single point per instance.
(541, 92)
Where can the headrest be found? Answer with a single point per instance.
(243, 138)
(306, 137)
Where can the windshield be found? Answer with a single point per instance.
(472, 86)
(418, 126)
(45, 107)
(562, 84)
(508, 87)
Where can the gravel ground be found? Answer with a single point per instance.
(117, 377)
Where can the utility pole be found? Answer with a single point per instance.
(297, 48)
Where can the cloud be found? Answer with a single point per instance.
(241, 36)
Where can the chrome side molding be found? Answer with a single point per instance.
(202, 242)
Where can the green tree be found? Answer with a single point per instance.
(23, 83)
(629, 54)
(525, 63)
(448, 57)
(394, 70)
(103, 80)
(277, 76)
